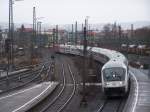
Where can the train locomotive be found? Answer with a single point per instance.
(114, 73)
(115, 77)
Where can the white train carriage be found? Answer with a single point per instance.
(61, 49)
(70, 49)
(99, 54)
(64, 49)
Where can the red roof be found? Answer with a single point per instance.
(26, 29)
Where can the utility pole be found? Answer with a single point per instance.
(83, 101)
(115, 30)
(127, 46)
(149, 68)
(89, 35)
(40, 36)
(7, 51)
(40, 28)
(120, 37)
(132, 28)
(72, 34)
(132, 38)
(33, 38)
(76, 35)
(10, 35)
(39, 32)
(81, 39)
(56, 34)
(53, 56)
(52, 70)
(34, 25)
(82, 27)
(87, 26)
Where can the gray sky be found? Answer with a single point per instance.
(68, 11)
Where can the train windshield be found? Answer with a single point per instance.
(114, 74)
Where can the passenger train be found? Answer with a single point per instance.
(114, 73)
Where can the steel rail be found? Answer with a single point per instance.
(46, 60)
(24, 84)
(72, 94)
(104, 105)
(14, 76)
(62, 90)
(62, 107)
(21, 73)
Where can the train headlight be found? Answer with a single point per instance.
(121, 83)
(106, 83)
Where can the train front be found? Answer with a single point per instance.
(115, 79)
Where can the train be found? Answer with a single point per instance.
(115, 77)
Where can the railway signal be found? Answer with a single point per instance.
(52, 71)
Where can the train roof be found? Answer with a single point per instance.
(115, 58)
(111, 54)
(114, 63)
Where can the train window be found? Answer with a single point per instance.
(114, 74)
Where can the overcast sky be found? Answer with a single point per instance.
(68, 11)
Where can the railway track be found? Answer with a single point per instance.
(112, 105)
(32, 66)
(35, 78)
(44, 61)
(24, 74)
(72, 94)
(61, 99)
(14, 76)
(66, 93)
(24, 69)
(17, 77)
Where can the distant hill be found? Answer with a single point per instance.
(136, 24)
(99, 26)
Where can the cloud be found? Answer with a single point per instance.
(68, 11)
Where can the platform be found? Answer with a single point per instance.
(139, 98)
(25, 99)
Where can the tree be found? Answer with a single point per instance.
(142, 35)
(0, 34)
(107, 30)
(22, 39)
